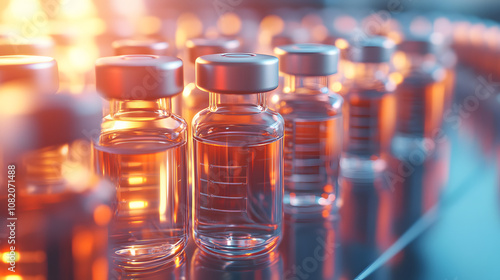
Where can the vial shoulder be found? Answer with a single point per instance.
(267, 125)
(323, 105)
(426, 74)
(161, 132)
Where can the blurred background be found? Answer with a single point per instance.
(436, 215)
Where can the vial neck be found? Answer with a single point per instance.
(407, 62)
(366, 72)
(237, 102)
(139, 108)
(305, 84)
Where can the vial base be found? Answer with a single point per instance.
(238, 194)
(149, 225)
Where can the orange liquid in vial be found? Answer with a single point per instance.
(238, 193)
(312, 152)
(150, 216)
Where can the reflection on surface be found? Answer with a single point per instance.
(365, 222)
(174, 270)
(310, 247)
(267, 267)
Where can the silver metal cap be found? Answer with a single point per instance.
(38, 73)
(139, 77)
(422, 44)
(42, 46)
(131, 46)
(238, 73)
(375, 49)
(201, 46)
(308, 59)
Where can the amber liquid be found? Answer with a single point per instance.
(150, 215)
(312, 151)
(238, 192)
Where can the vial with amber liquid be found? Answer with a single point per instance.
(313, 126)
(420, 97)
(141, 149)
(238, 157)
(369, 107)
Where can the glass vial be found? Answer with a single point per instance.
(369, 109)
(238, 157)
(313, 125)
(420, 96)
(142, 150)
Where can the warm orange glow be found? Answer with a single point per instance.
(328, 188)
(188, 26)
(229, 24)
(137, 204)
(188, 89)
(149, 25)
(15, 99)
(13, 277)
(325, 213)
(396, 77)
(6, 257)
(136, 180)
(319, 33)
(102, 215)
(395, 36)
(336, 87)
(399, 60)
(272, 24)
(342, 44)
(82, 244)
(100, 269)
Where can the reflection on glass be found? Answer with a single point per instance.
(417, 181)
(266, 267)
(365, 213)
(174, 270)
(310, 246)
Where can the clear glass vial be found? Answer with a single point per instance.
(142, 150)
(313, 126)
(369, 109)
(420, 97)
(238, 156)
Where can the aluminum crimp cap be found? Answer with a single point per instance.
(308, 59)
(39, 73)
(139, 77)
(237, 73)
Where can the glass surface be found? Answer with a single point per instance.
(313, 142)
(142, 151)
(237, 200)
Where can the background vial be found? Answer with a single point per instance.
(238, 151)
(61, 210)
(194, 99)
(369, 108)
(313, 125)
(420, 96)
(141, 149)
